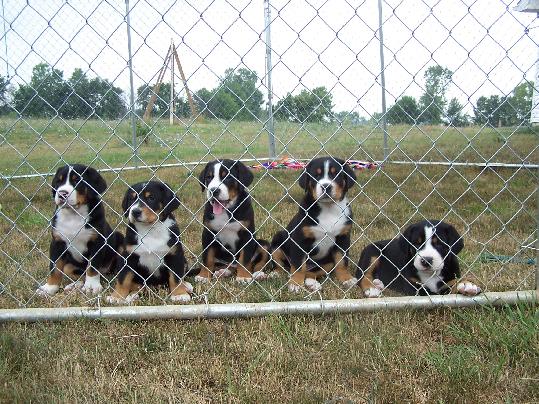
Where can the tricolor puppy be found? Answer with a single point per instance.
(422, 261)
(229, 224)
(82, 240)
(153, 250)
(316, 241)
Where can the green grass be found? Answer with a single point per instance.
(445, 356)
(467, 355)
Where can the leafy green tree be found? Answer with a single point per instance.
(494, 110)
(240, 86)
(308, 106)
(44, 95)
(432, 103)
(454, 114)
(202, 99)
(107, 99)
(521, 103)
(4, 95)
(352, 118)
(161, 105)
(404, 111)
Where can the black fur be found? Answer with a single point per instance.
(395, 258)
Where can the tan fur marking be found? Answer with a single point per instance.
(264, 259)
(150, 215)
(122, 290)
(298, 276)
(341, 268)
(147, 194)
(307, 232)
(81, 199)
(55, 277)
(279, 258)
(366, 281)
(244, 269)
(176, 288)
(208, 268)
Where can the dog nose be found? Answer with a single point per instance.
(63, 194)
(426, 261)
(215, 192)
(136, 213)
(326, 188)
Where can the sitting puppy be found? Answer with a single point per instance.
(229, 224)
(82, 240)
(422, 261)
(316, 241)
(153, 251)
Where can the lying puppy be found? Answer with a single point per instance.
(422, 261)
(228, 240)
(153, 251)
(82, 240)
(316, 241)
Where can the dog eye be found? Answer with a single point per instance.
(151, 198)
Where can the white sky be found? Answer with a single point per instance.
(331, 43)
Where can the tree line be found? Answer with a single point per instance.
(236, 96)
(433, 108)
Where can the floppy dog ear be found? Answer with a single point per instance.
(245, 176)
(305, 177)
(170, 200)
(202, 177)
(94, 180)
(349, 174)
(126, 202)
(452, 238)
(406, 238)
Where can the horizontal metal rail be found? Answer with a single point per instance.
(246, 310)
(379, 162)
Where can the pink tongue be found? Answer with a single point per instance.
(217, 208)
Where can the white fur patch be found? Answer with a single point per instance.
(243, 280)
(183, 298)
(153, 243)
(92, 285)
(332, 219)
(73, 286)
(313, 285)
(70, 226)
(202, 279)
(292, 287)
(67, 188)
(376, 290)
(350, 283)
(468, 289)
(227, 230)
(260, 275)
(47, 290)
(118, 300)
(217, 183)
(222, 273)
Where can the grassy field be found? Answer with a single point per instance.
(441, 356)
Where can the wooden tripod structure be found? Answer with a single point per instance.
(171, 57)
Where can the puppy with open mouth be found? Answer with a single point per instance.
(228, 240)
(82, 240)
(153, 251)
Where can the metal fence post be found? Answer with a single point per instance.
(131, 86)
(269, 124)
(383, 78)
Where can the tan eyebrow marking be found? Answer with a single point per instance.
(147, 194)
(318, 171)
(332, 169)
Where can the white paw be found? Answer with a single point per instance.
(313, 285)
(118, 300)
(350, 283)
(273, 274)
(468, 289)
(188, 287)
(92, 285)
(202, 279)
(222, 273)
(73, 286)
(242, 280)
(260, 275)
(185, 298)
(376, 290)
(47, 290)
(292, 287)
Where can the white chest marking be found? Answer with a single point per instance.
(227, 230)
(331, 221)
(153, 243)
(70, 227)
(430, 280)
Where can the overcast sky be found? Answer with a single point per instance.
(489, 47)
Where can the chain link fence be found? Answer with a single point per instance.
(431, 104)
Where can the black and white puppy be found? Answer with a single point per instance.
(229, 224)
(422, 261)
(82, 240)
(316, 241)
(153, 250)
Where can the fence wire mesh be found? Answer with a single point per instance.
(152, 91)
